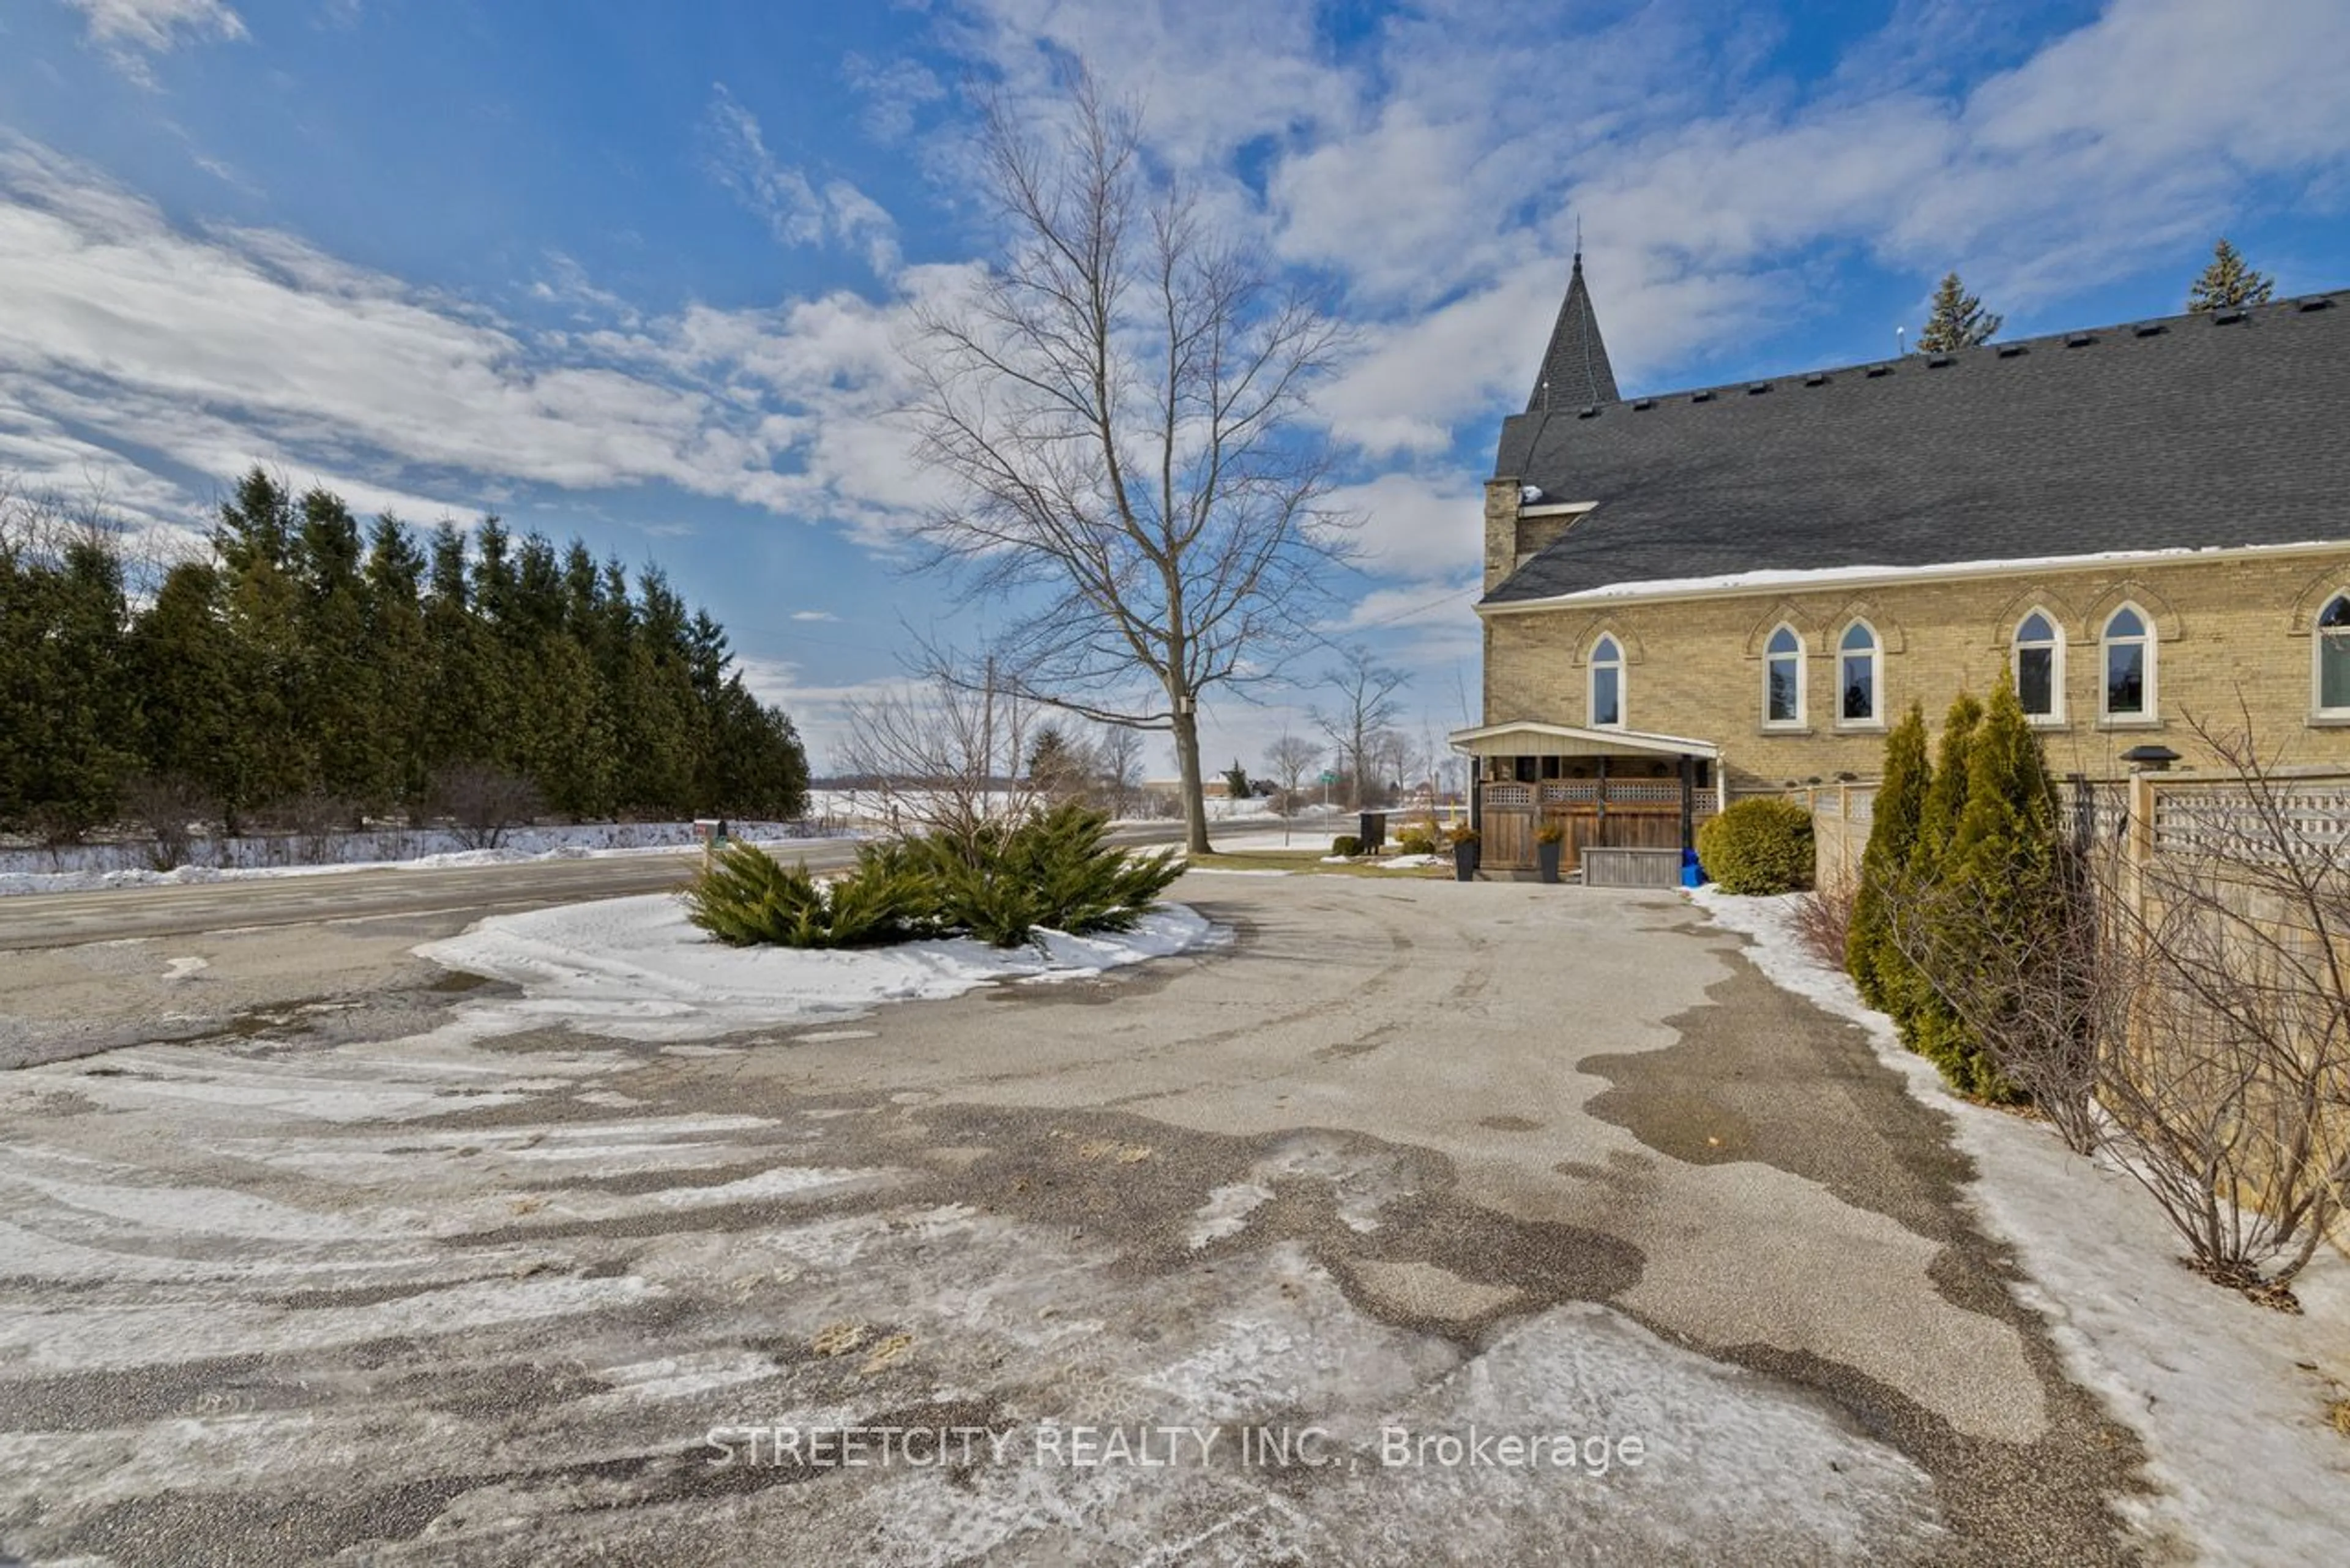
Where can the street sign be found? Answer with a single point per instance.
(1329, 778)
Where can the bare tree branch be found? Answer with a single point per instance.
(1120, 404)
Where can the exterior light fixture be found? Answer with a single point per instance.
(2151, 758)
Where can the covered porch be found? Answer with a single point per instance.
(1604, 788)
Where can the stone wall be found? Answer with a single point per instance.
(2230, 634)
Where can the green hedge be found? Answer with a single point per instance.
(1761, 846)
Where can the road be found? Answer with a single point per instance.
(148, 913)
(420, 1273)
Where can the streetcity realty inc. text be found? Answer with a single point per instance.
(1057, 1447)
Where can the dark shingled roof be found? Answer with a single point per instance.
(2190, 431)
(1574, 371)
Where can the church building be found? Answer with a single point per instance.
(1729, 589)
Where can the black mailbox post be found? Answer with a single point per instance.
(1373, 831)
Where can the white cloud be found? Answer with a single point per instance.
(891, 92)
(1210, 76)
(796, 211)
(1414, 524)
(214, 349)
(129, 29)
(814, 615)
(820, 713)
(1433, 171)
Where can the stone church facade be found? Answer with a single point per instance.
(2145, 527)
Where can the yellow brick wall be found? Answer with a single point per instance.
(2230, 634)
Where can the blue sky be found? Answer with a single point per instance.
(638, 271)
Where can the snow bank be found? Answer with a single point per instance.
(84, 868)
(635, 968)
(2230, 1397)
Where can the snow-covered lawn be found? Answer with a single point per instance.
(2231, 1398)
(86, 867)
(635, 968)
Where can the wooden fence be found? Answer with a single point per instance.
(1616, 814)
(2162, 838)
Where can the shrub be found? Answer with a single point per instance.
(1759, 845)
(1000, 881)
(2001, 883)
(482, 801)
(169, 807)
(1551, 833)
(1347, 845)
(1875, 963)
(1824, 919)
(996, 881)
(745, 897)
(1929, 1023)
(1415, 841)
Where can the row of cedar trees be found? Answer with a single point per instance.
(1974, 836)
(311, 658)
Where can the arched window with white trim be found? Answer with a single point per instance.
(1607, 684)
(2127, 692)
(1783, 681)
(2040, 668)
(1860, 670)
(2330, 676)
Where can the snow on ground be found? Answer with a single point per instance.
(2230, 1397)
(83, 868)
(636, 969)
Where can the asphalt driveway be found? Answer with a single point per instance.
(1420, 1221)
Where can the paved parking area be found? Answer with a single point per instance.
(1421, 1220)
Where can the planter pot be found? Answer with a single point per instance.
(1546, 859)
(1464, 862)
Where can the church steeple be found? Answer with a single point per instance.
(1574, 371)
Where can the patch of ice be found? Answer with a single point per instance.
(1225, 1213)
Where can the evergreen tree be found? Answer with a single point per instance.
(261, 599)
(182, 661)
(455, 723)
(86, 740)
(1057, 767)
(1957, 320)
(2002, 881)
(335, 700)
(1877, 966)
(305, 662)
(400, 685)
(2227, 284)
(1928, 1024)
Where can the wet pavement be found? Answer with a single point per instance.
(1421, 1220)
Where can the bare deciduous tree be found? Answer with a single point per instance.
(944, 758)
(1290, 759)
(482, 801)
(1118, 753)
(1363, 710)
(2232, 1089)
(1118, 403)
(171, 809)
(2191, 1018)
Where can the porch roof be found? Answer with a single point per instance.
(1530, 738)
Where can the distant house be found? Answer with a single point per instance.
(1698, 593)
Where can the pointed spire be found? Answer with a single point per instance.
(1575, 370)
